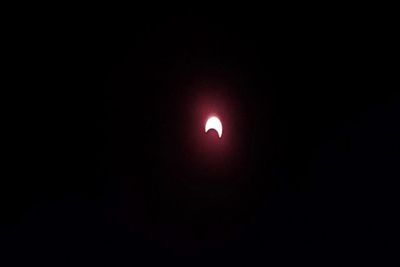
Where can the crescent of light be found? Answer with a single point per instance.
(214, 123)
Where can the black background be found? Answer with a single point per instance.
(103, 172)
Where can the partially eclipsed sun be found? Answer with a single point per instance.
(214, 123)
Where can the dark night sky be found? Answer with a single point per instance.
(112, 169)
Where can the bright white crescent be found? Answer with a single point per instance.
(214, 123)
